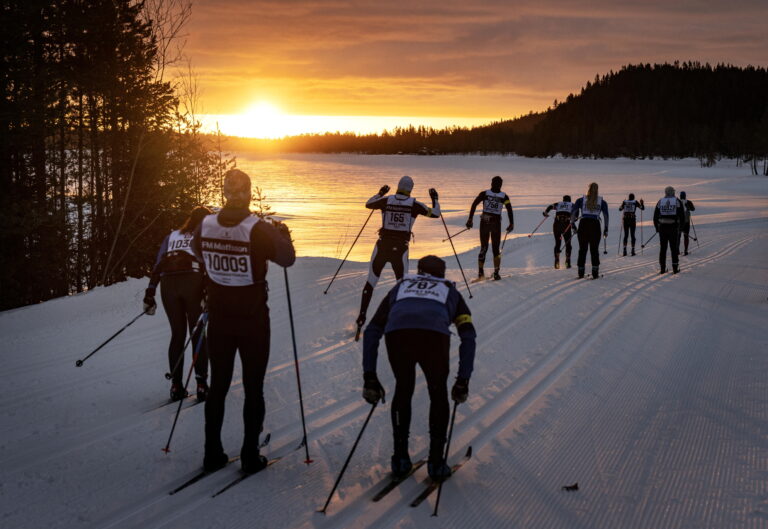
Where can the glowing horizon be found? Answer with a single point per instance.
(265, 121)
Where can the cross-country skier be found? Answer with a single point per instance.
(415, 319)
(235, 246)
(629, 220)
(562, 228)
(667, 219)
(685, 227)
(494, 201)
(591, 206)
(180, 275)
(398, 213)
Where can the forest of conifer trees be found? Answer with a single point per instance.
(99, 152)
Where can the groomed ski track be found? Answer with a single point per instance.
(648, 390)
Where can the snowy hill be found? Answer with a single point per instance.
(648, 390)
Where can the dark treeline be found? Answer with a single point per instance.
(99, 156)
(666, 110)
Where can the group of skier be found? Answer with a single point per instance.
(212, 276)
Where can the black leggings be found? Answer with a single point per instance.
(429, 349)
(559, 231)
(181, 295)
(668, 236)
(490, 228)
(387, 250)
(589, 236)
(254, 356)
(629, 229)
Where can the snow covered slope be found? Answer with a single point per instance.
(648, 390)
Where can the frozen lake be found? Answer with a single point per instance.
(322, 196)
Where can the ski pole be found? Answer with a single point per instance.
(349, 457)
(505, 240)
(350, 251)
(455, 234)
(539, 225)
(170, 374)
(203, 333)
(447, 451)
(80, 363)
(641, 231)
(605, 243)
(695, 237)
(649, 240)
(296, 363)
(457, 256)
(618, 247)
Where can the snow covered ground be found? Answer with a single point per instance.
(648, 390)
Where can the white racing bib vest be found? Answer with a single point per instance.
(668, 206)
(180, 242)
(630, 206)
(564, 207)
(397, 214)
(591, 213)
(423, 287)
(227, 251)
(493, 202)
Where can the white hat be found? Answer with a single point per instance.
(405, 185)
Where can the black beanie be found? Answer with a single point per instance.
(631, 196)
(566, 198)
(432, 265)
(496, 182)
(682, 195)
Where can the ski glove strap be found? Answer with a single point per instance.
(373, 391)
(460, 390)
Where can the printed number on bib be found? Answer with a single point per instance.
(423, 288)
(226, 263)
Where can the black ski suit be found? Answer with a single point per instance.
(667, 219)
(493, 201)
(561, 224)
(238, 313)
(629, 220)
(685, 227)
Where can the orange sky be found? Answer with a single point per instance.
(448, 58)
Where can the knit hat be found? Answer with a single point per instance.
(432, 265)
(682, 195)
(237, 186)
(405, 186)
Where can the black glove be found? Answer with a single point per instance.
(605, 232)
(510, 228)
(433, 193)
(149, 301)
(641, 202)
(460, 390)
(545, 213)
(282, 228)
(383, 190)
(469, 224)
(373, 391)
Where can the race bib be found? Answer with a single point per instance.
(587, 212)
(423, 287)
(668, 206)
(226, 251)
(564, 207)
(178, 241)
(397, 214)
(630, 206)
(493, 202)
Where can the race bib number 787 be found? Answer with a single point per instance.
(423, 288)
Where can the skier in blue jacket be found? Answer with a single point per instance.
(415, 319)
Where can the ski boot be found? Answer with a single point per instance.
(251, 461)
(438, 469)
(675, 268)
(480, 273)
(496, 275)
(685, 252)
(202, 389)
(557, 261)
(595, 272)
(178, 392)
(633, 251)
(581, 272)
(567, 261)
(214, 460)
(663, 270)
(625, 251)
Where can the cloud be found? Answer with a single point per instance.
(450, 57)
